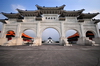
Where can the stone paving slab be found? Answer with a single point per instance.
(50, 55)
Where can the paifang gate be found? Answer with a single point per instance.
(50, 17)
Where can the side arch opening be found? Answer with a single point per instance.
(28, 36)
(72, 36)
(10, 34)
(90, 34)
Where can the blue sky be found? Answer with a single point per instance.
(9, 6)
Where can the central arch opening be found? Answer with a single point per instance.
(50, 36)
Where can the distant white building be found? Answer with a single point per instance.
(50, 17)
(49, 40)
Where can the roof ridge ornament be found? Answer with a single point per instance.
(19, 10)
(87, 15)
(80, 11)
(96, 21)
(12, 15)
(62, 7)
(38, 7)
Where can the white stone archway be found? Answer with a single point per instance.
(50, 17)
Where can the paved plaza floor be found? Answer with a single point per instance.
(50, 55)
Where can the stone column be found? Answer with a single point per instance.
(2, 32)
(18, 31)
(62, 33)
(97, 38)
(63, 38)
(38, 38)
(17, 38)
(38, 30)
(97, 28)
(62, 29)
(81, 39)
(3, 39)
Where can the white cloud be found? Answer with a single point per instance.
(94, 11)
(15, 6)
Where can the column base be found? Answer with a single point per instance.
(67, 44)
(15, 41)
(2, 41)
(86, 41)
(81, 41)
(19, 41)
(37, 41)
(97, 40)
(64, 42)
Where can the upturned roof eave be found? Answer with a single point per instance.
(96, 21)
(88, 15)
(72, 12)
(3, 21)
(11, 15)
(25, 11)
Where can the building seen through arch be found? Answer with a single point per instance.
(90, 35)
(50, 35)
(28, 37)
(10, 34)
(72, 36)
(51, 17)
